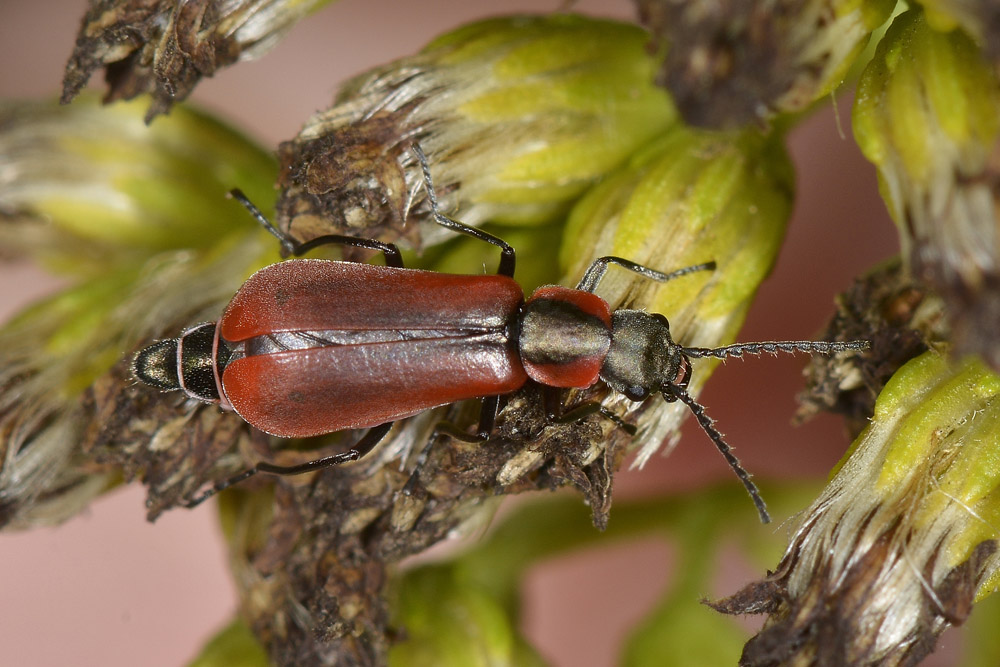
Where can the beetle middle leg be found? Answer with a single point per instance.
(360, 448)
(487, 419)
(290, 246)
(506, 267)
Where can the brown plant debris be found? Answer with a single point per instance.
(732, 63)
(172, 444)
(318, 582)
(164, 47)
(900, 318)
(350, 181)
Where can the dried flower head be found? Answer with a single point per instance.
(518, 116)
(164, 48)
(733, 63)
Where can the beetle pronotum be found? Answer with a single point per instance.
(308, 347)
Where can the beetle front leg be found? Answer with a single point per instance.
(552, 400)
(487, 419)
(506, 266)
(592, 276)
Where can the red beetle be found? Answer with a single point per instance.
(308, 347)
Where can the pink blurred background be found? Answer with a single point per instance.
(109, 589)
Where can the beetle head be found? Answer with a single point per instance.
(643, 357)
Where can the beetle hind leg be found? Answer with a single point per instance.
(360, 448)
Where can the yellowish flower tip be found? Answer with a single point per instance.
(690, 197)
(741, 63)
(95, 187)
(903, 539)
(65, 392)
(978, 19)
(172, 45)
(517, 115)
(40, 421)
(927, 114)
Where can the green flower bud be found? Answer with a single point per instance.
(233, 646)
(690, 197)
(732, 64)
(164, 48)
(55, 356)
(927, 113)
(451, 622)
(94, 186)
(979, 19)
(518, 116)
(98, 194)
(903, 539)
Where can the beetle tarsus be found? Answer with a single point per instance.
(220, 486)
(287, 244)
(441, 427)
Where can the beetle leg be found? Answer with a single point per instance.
(596, 271)
(440, 428)
(360, 448)
(552, 399)
(506, 267)
(487, 418)
(290, 246)
(591, 407)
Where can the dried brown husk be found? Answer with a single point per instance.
(732, 63)
(164, 48)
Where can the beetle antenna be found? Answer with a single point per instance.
(708, 425)
(773, 347)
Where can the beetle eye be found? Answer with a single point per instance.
(636, 393)
(661, 318)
